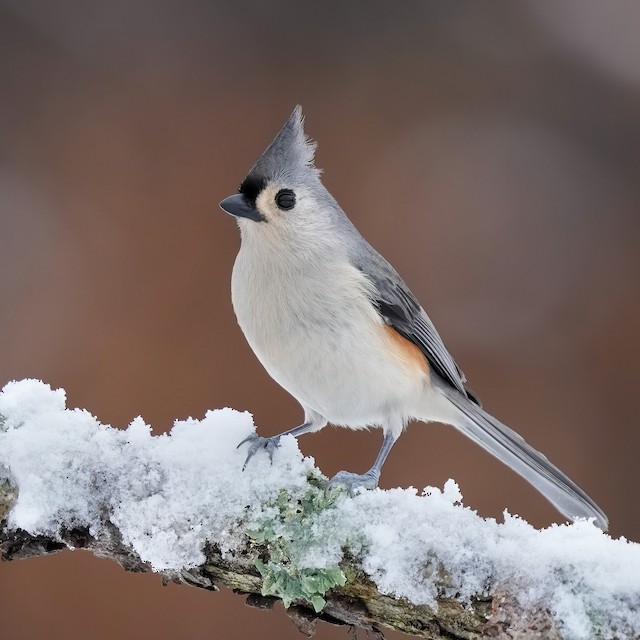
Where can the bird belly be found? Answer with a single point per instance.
(332, 352)
(356, 386)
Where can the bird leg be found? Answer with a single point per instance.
(369, 480)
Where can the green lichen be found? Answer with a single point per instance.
(291, 584)
(8, 492)
(279, 540)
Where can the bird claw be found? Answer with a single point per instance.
(258, 442)
(353, 481)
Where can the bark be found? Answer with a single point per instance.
(357, 604)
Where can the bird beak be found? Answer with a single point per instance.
(238, 206)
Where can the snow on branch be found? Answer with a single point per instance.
(180, 504)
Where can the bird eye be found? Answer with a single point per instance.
(285, 199)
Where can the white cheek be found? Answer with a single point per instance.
(265, 202)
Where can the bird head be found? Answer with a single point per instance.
(283, 189)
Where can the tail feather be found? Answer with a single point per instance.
(510, 448)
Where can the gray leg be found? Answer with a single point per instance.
(368, 480)
(257, 442)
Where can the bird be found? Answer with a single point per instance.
(334, 324)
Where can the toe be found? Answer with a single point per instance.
(271, 446)
(246, 462)
(251, 436)
(253, 447)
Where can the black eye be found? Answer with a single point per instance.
(285, 199)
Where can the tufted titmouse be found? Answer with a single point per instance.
(335, 325)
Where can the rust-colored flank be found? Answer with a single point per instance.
(405, 350)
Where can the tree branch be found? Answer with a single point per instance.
(184, 506)
(358, 603)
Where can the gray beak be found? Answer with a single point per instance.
(238, 206)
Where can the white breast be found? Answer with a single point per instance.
(310, 322)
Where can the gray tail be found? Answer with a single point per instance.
(506, 445)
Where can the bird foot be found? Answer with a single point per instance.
(354, 481)
(256, 443)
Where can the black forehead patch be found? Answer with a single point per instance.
(252, 186)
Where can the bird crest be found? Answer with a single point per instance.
(289, 156)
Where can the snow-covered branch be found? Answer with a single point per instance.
(180, 504)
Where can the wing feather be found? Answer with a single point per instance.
(401, 310)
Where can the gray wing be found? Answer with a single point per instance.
(401, 310)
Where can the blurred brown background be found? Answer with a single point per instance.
(489, 150)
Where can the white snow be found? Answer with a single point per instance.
(168, 493)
